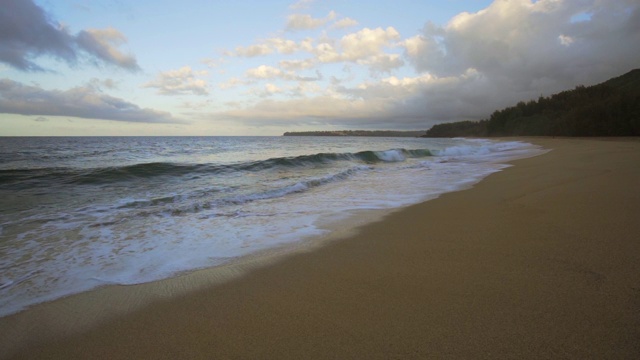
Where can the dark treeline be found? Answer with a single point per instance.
(608, 109)
(378, 133)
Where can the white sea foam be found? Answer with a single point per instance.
(391, 155)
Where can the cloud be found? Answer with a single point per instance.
(268, 90)
(305, 89)
(393, 103)
(367, 42)
(26, 32)
(476, 63)
(344, 23)
(284, 46)
(253, 50)
(182, 81)
(383, 63)
(213, 63)
(267, 47)
(82, 102)
(233, 82)
(102, 45)
(297, 64)
(41, 119)
(363, 45)
(427, 98)
(197, 106)
(320, 107)
(533, 47)
(264, 72)
(509, 52)
(302, 4)
(565, 40)
(100, 84)
(297, 22)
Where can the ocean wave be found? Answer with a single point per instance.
(29, 178)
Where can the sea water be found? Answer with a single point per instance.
(81, 212)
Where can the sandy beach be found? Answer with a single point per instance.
(539, 261)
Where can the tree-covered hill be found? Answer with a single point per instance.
(611, 108)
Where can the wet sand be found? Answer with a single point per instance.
(541, 260)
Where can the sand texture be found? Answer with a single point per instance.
(539, 261)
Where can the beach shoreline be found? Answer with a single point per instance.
(534, 261)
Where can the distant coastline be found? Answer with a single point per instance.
(375, 133)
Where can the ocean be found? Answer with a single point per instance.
(77, 213)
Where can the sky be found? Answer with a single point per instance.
(263, 67)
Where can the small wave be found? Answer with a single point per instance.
(137, 171)
(484, 149)
(297, 187)
(25, 178)
(45, 177)
(181, 208)
(8, 283)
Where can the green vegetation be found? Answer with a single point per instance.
(378, 133)
(608, 109)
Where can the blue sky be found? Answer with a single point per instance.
(115, 67)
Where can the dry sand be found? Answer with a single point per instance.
(539, 261)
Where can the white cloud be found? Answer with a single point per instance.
(82, 102)
(428, 97)
(523, 43)
(344, 23)
(196, 106)
(269, 46)
(253, 50)
(367, 42)
(102, 43)
(383, 63)
(283, 46)
(272, 89)
(306, 22)
(182, 81)
(327, 53)
(302, 4)
(233, 82)
(306, 44)
(99, 85)
(320, 107)
(392, 103)
(297, 64)
(305, 89)
(365, 46)
(565, 40)
(264, 72)
(477, 63)
(213, 63)
(267, 91)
